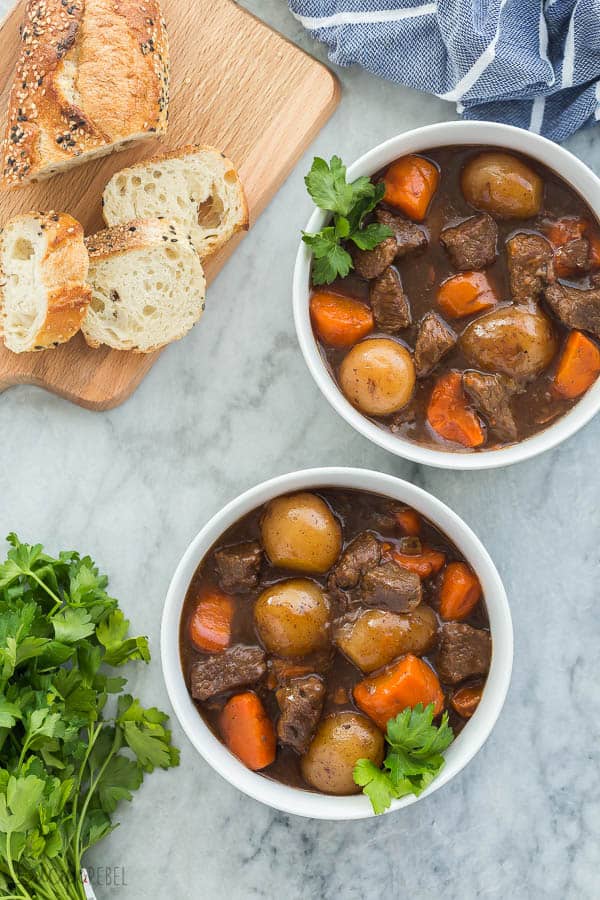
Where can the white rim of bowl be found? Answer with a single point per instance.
(295, 800)
(578, 176)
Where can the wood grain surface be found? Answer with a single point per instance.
(236, 84)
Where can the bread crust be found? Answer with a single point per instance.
(138, 234)
(64, 270)
(92, 75)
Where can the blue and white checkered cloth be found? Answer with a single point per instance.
(532, 63)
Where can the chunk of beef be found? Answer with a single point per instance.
(390, 305)
(235, 667)
(530, 266)
(576, 308)
(491, 395)
(239, 566)
(462, 652)
(371, 263)
(410, 237)
(390, 585)
(472, 244)
(573, 257)
(301, 704)
(434, 339)
(361, 554)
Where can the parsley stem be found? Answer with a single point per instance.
(25, 895)
(57, 600)
(92, 738)
(91, 790)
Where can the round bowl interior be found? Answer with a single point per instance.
(574, 172)
(294, 800)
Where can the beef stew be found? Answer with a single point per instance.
(304, 607)
(477, 323)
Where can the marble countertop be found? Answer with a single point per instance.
(133, 485)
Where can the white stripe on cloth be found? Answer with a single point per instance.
(568, 66)
(359, 18)
(537, 114)
(597, 113)
(478, 68)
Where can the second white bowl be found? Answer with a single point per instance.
(294, 800)
(575, 173)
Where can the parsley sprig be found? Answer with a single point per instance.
(349, 203)
(72, 744)
(413, 760)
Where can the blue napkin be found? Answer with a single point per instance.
(532, 63)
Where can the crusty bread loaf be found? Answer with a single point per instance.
(93, 76)
(148, 286)
(43, 270)
(195, 187)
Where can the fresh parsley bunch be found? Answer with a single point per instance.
(69, 754)
(413, 761)
(349, 204)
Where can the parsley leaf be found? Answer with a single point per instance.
(376, 784)
(72, 625)
(112, 634)
(349, 203)
(413, 761)
(146, 735)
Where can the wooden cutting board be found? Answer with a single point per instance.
(235, 84)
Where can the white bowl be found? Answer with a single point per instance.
(295, 800)
(444, 134)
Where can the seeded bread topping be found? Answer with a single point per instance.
(78, 93)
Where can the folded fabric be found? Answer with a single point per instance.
(532, 63)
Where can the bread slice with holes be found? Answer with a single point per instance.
(43, 270)
(92, 77)
(196, 187)
(148, 286)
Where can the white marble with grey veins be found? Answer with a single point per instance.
(233, 404)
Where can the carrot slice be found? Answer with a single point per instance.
(405, 683)
(210, 625)
(465, 294)
(449, 414)
(466, 700)
(460, 591)
(340, 321)
(410, 184)
(578, 367)
(424, 564)
(561, 231)
(409, 521)
(248, 731)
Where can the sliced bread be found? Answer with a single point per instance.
(148, 286)
(43, 270)
(92, 77)
(195, 187)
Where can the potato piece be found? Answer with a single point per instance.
(341, 740)
(300, 532)
(378, 376)
(375, 637)
(503, 185)
(512, 340)
(292, 617)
